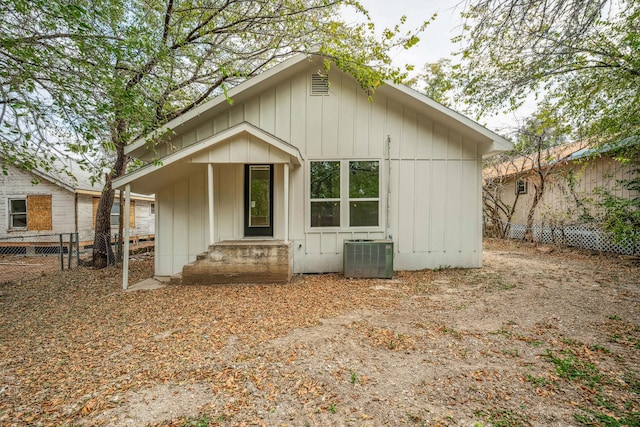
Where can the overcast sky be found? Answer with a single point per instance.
(435, 43)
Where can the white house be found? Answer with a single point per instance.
(40, 202)
(301, 161)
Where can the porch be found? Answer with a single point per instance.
(222, 208)
(241, 261)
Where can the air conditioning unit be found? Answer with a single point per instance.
(368, 259)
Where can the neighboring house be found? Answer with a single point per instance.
(36, 202)
(578, 173)
(302, 161)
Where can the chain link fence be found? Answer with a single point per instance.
(584, 236)
(31, 256)
(26, 257)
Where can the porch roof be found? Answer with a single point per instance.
(243, 143)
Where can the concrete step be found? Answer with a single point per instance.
(243, 261)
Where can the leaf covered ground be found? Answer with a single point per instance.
(531, 339)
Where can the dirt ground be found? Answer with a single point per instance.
(537, 337)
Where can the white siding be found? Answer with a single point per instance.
(144, 220)
(182, 218)
(19, 183)
(85, 218)
(432, 172)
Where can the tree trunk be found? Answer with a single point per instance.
(528, 233)
(102, 252)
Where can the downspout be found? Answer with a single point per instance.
(388, 222)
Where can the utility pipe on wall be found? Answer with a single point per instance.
(388, 222)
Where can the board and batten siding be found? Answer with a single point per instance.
(431, 171)
(182, 213)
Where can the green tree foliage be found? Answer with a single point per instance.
(102, 74)
(621, 215)
(437, 82)
(48, 53)
(583, 56)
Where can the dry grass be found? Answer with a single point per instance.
(452, 347)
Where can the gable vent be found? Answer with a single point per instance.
(319, 84)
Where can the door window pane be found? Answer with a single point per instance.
(259, 196)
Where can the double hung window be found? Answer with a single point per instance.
(18, 213)
(345, 193)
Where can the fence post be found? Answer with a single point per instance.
(77, 249)
(70, 252)
(61, 250)
(107, 240)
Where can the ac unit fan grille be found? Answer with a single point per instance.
(368, 259)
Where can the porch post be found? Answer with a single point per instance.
(210, 200)
(286, 202)
(127, 224)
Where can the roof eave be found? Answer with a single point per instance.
(245, 86)
(498, 144)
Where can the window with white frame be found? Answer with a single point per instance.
(354, 184)
(325, 194)
(18, 213)
(521, 186)
(115, 214)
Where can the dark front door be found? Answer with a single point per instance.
(258, 200)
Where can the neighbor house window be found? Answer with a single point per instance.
(18, 213)
(521, 186)
(115, 214)
(354, 185)
(152, 208)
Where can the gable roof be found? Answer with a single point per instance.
(150, 177)
(521, 165)
(293, 65)
(448, 116)
(80, 182)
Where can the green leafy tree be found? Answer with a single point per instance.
(437, 82)
(581, 57)
(621, 215)
(134, 65)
